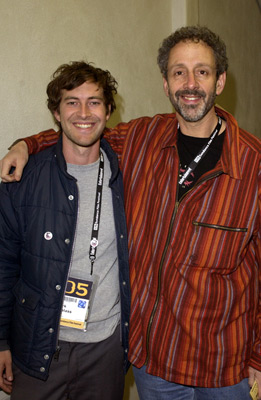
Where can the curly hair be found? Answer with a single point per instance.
(194, 34)
(70, 76)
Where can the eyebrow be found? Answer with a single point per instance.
(89, 98)
(181, 65)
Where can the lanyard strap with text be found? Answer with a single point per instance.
(202, 153)
(97, 213)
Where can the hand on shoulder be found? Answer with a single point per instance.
(16, 158)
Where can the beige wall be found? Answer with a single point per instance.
(39, 35)
(238, 22)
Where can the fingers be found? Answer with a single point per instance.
(6, 373)
(254, 382)
(13, 163)
(10, 177)
(6, 385)
(5, 167)
(16, 166)
(251, 378)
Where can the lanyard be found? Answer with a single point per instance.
(201, 153)
(97, 213)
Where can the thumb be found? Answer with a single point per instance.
(18, 171)
(9, 371)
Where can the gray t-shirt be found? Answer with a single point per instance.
(105, 312)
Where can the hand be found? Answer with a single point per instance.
(6, 373)
(254, 374)
(17, 157)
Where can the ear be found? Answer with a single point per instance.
(221, 83)
(108, 113)
(166, 87)
(57, 116)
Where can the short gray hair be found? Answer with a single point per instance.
(194, 34)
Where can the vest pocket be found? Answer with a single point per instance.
(26, 296)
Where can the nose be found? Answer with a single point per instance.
(191, 81)
(84, 111)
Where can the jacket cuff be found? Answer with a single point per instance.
(32, 148)
(4, 345)
(30, 144)
(255, 361)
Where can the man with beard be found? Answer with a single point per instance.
(193, 215)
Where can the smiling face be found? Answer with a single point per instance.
(191, 83)
(83, 116)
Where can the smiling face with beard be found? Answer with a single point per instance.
(192, 85)
(192, 112)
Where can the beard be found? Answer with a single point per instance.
(192, 112)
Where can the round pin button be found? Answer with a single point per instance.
(48, 235)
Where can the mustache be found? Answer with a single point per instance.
(190, 92)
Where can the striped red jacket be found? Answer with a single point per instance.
(194, 263)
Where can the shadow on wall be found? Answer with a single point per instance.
(116, 117)
(228, 98)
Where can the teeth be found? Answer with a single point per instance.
(191, 98)
(83, 126)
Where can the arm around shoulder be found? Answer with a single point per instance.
(12, 165)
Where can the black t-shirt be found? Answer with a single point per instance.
(188, 148)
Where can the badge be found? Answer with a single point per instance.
(77, 301)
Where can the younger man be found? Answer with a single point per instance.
(63, 246)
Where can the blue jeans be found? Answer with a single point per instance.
(154, 388)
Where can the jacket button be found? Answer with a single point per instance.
(124, 283)
(51, 330)
(67, 241)
(71, 197)
(42, 369)
(126, 323)
(121, 236)
(126, 350)
(58, 287)
(48, 235)
(23, 301)
(46, 357)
